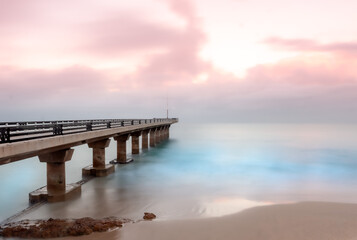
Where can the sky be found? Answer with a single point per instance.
(212, 61)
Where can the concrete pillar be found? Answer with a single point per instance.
(56, 178)
(56, 170)
(158, 136)
(135, 142)
(165, 132)
(99, 168)
(162, 134)
(152, 137)
(144, 139)
(121, 148)
(99, 152)
(168, 131)
(56, 189)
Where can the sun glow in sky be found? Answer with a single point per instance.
(277, 60)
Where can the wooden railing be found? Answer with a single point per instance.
(21, 131)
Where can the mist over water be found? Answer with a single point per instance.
(203, 170)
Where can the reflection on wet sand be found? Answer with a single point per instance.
(222, 206)
(308, 220)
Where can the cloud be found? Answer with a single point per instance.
(37, 85)
(309, 45)
(185, 9)
(317, 88)
(75, 92)
(299, 72)
(180, 63)
(12, 11)
(269, 93)
(125, 34)
(148, 50)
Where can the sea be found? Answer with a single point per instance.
(203, 170)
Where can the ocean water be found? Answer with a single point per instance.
(203, 170)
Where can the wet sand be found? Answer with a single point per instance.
(308, 221)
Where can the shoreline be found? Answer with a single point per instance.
(295, 221)
(292, 221)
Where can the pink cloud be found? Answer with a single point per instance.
(125, 34)
(312, 46)
(167, 54)
(185, 9)
(43, 85)
(299, 88)
(182, 62)
(13, 11)
(268, 93)
(301, 73)
(178, 63)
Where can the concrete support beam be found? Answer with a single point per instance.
(99, 152)
(121, 148)
(164, 132)
(56, 178)
(135, 142)
(144, 139)
(158, 136)
(167, 131)
(99, 168)
(152, 137)
(56, 189)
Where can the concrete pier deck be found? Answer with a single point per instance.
(11, 152)
(56, 150)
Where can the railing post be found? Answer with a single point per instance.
(89, 126)
(60, 129)
(2, 135)
(54, 129)
(5, 135)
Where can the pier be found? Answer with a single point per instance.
(53, 142)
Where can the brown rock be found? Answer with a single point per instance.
(149, 216)
(53, 228)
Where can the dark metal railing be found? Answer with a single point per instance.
(21, 131)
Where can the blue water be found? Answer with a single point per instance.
(203, 170)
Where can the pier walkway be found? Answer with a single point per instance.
(52, 142)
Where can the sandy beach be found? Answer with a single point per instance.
(307, 221)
